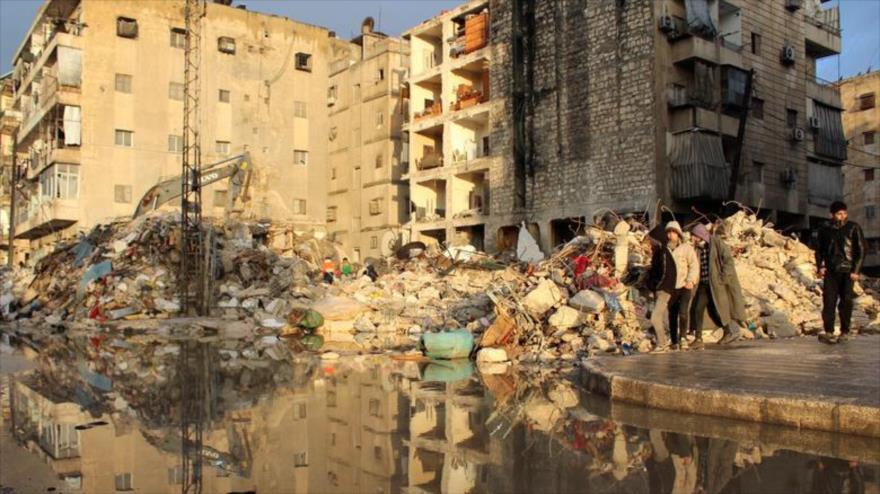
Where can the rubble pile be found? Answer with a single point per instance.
(590, 297)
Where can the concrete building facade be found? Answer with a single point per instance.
(100, 86)
(617, 105)
(9, 121)
(861, 120)
(366, 196)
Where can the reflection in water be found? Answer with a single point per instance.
(204, 419)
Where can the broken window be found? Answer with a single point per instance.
(299, 206)
(122, 194)
(126, 27)
(224, 96)
(178, 37)
(225, 44)
(124, 138)
(866, 101)
(175, 143)
(175, 91)
(304, 62)
(868, 137)
(123, 83)
(300, 157)
(733, 87)
(300, 109)
(221, 147)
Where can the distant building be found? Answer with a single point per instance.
(99, 86)
(861, 120)
(366, 201)
(551, 113)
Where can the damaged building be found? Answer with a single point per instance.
(100, 89)
(590, 106)
(366, 196)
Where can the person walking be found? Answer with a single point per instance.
(839, 258)
(719, 290)
(674, 273)
(328, 270)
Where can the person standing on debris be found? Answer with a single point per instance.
(839, 258)
(674, 273)
(719, 290)
(370, 272)
(347, 268)
(328, 269)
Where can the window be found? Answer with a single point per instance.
(124, 138)
(178, 37)
(380, 76)
(380, 160)
(866, 101)
(300, 157)
(123, 83)
(870, 212)
(374, 407)
(175, 91)
(175, 143)
(301, 410)
(332, 92)
(756, 43)
(122, 194)
(332, 439)
(869, 175)
(758, 108)
(791, 118)
(126, 27)
(175, 475)
(225, 44)
(221, 147)
(300, 459)
(60, 181)
(331, 214)
(304, 62)
(299, 206)
(758, 172)
(380, 119)
(331, 399)
(123, 482)
(332, 134)
(376, 206)
(374, 242)
(220, 198)
(224, 96)
(377, 452)
(869, 137)
(300, 109)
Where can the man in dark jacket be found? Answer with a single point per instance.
(839, 258)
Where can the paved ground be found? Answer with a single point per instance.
(797, 382)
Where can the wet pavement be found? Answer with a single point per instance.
(202, 417)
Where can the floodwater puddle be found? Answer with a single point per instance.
(191, 416)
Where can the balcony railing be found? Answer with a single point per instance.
(827, 19)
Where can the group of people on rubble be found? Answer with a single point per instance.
(692, 278)
(329, 271)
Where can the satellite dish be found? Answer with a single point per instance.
(390, 243)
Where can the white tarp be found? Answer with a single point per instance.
(527, 249)
(72, 126)
(69, 66)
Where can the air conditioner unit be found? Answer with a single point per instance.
(667, 24)
(797, 134)
(793, 5)
(788, 54)
(814, 122)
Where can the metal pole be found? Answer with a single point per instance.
(14, 181)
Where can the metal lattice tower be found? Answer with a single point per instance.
(194, 376)
(192, 272)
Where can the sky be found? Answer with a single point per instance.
(859, 22)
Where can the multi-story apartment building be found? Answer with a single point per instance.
(861, 120)
(618, 105)
(100, 89)
(9, 121)
(366, 196)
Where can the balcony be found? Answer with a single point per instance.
(68, 155)
(686, 50)
(822, 32)
(9, 120)
(55, 94)
(48, 217)
(824, 92)
(685, 119)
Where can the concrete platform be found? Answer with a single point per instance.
(796, 382)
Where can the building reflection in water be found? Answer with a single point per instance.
(381, 426)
